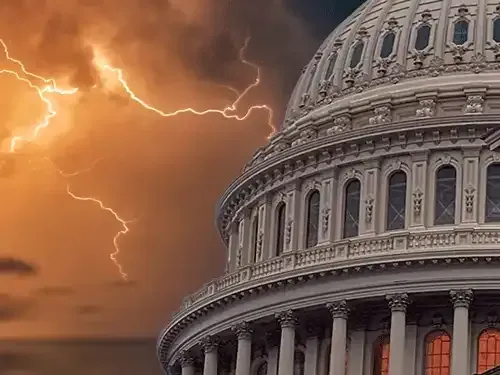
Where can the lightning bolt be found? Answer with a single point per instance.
(49, 86)
(228, 112)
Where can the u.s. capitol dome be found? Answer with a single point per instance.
(364, 239)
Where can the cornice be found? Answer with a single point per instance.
(319, 154)
(464, 245)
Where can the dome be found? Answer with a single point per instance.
(384, 47)
(364, 238)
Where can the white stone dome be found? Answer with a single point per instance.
(388, 43)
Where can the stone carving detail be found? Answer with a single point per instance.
(288, 231)
(369, 203)
(418, 196)
(461, 298)
(239, 254)
(325, 219)
(209, 344)
(187, 360)
(475, 104)
(469, 198)
(260, 241)
(382, 115)
(398, 302)
(492, 319)
(338, 309)
(287, 319)
(437, 321)
(427, 108)
(340, 124)
(243, 331)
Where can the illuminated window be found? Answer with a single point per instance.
(445, 197)
(351, 208)
(488, 355)
(493, 193)
(331, 65)
(437, 353)
(461, 32)
(280, 227)
(357, 52)
(312, 219)
(396, 201)
(387, 45)
(496, 30)
(423, 36)
(255, 237)
(381, 356)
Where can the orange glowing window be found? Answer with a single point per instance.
(437, 353)
(488, 355)
(381, 356)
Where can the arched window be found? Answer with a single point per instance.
(488, 353)
(351, 208)
(280, 228)
(461, 32)
(357, 52)
(299, 363)
(396, 201)
(331, 65)
(422, 39)
(437, 353)
(262, 369)
(493, 193)
(312, 219)
(445, 195)
(255, 237)
(496, 30)
(387, 45)
(381, 356)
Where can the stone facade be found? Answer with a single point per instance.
(372, 220)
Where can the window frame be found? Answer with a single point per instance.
(436, 333)
(343, 220)
(378, 355)
(485, 201)
(281, 205)
(436, 171)
(497, 344)
(307, 205)
(388, 200)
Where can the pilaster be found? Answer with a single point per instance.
(418, 189)
(369, 200)
(292, 224)
(328, 205)
(470, 186)
(243, 238)
(233, 246)
(263, 237)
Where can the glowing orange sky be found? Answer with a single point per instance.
(166, 173)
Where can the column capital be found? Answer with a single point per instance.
(287, 319)
(398, 301)
(338, 309)
(461, 298)
(186, 359)
(242, 331)
(209, 344)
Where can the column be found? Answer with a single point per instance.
(187, 363)
(314, 330)
(461, 300)
(398, 304)
(244, 352)
(340, 312)
(210, 346)
(288, 322)
(272, 343)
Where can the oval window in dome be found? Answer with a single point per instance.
(423, 36)
(496, 30)
(331, 64)
(461, 32)
(387, 45)
(357, 52)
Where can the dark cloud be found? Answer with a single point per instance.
(17, 267)
(15, 308)
(88, 309)
(55, 290)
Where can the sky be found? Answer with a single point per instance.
(163, 175)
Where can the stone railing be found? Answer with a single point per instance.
(346, 253)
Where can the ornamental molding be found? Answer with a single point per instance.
(324, 153)
(168, 336)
